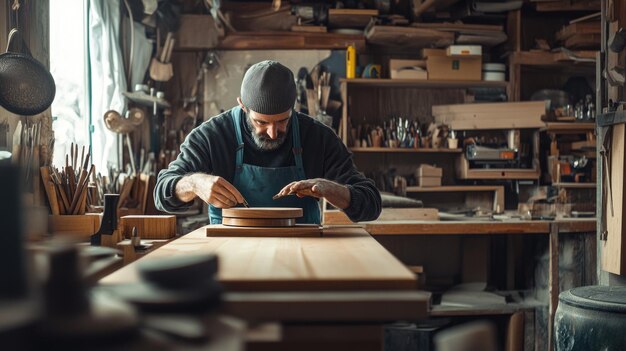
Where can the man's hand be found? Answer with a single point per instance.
(338, 195)
(213, 190)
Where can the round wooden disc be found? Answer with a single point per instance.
(262, 212)
(258, 222)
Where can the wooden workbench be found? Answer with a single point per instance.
(409, 227)
(343, 276)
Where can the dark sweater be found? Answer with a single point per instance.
(210, 148)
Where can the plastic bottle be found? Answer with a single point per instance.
(351, 62)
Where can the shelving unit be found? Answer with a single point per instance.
(425, 83)
(405, 150)
(498, 192)
(575, 185)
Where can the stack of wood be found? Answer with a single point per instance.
(582, 33)
(428, 176)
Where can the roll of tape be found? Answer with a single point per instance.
(494, 76)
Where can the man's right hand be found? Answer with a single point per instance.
(212, 189)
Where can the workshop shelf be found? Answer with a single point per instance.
(409, 150)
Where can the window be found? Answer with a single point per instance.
(68, 65)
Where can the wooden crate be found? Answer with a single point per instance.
(76, 226)
(149, 227)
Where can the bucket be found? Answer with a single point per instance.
(591, 318)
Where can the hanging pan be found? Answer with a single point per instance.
(26, 86)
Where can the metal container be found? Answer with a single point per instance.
(591, 318)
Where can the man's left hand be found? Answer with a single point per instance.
(338, 195)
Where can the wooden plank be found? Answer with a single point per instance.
(581, 27)
(299, 230)
(337, 217)
(325, 306)
(456, 228)
(576, 225)
(461, 27)
(350, 18)
(583, 41)
(149, 227)
(567, 5)
(344, 259)
(404, 150)
(614, 247)
(476, 122)
(288, 41)
(408, 37)
(534, 107)
(421, 83)
(79, 227)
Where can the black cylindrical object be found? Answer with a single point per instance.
(591, 318)
(13, 274)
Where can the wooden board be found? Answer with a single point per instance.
(583, 41)
(298, 230)
(77, 226)
(408, 36)
(344, 259)
(614, 247)
(262, 212)
(491, 115)
(576, 28)
(149, 227)
(337, 217)
(258, 222)
(350, 18)
(289, 41)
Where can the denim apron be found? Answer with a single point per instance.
(258, 184)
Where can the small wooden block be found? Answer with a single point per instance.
(258, 222)
(78, 226)
(429, 181)
(149, 227)
(425, 170)
(111, 240)
(262, 212)
(299, 230)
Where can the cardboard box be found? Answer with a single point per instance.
(407, 69)
(464, 50)
(454, 67)
(427, 52)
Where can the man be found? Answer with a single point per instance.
(263, 148)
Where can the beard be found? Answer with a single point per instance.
(264, 142)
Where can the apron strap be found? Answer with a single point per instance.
(297, 147)
(236, 117)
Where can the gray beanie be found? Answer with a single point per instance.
(268, 88)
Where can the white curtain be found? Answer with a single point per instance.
(108, 78)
